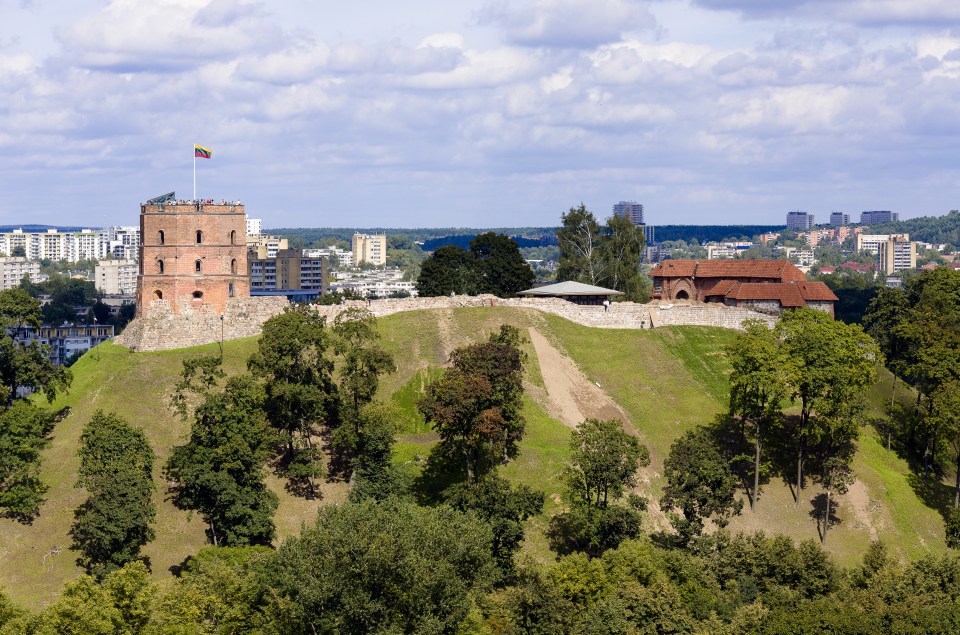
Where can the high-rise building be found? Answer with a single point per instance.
(14, 268)
(629, 209)
(122, 243)
(192, 254)
(839, 219)
(878, 217)
(51, 244)
(116, 277)
(799, 221)
(370, 248)
(288, 270)
(254, 227)
(897, 254)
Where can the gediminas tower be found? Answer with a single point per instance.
(192, 254)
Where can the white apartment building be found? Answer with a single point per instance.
(13, 269)
(55, 245)
(335, 256)
(116, 277)
(370, 248)
(254, 226)
(122, 243)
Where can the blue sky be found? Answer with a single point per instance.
(479, 113)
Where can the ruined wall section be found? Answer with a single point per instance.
(160, 329)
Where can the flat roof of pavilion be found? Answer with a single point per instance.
(569, 288)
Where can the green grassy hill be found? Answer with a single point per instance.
(666, 381)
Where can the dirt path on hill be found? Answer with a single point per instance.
(445, 331)
(863, 508)
(571, 397)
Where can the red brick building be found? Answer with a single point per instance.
(767, 286)
(192, 254)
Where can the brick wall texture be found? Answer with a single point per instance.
(192, 256)
(160, 328)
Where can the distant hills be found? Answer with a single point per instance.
(32, 228)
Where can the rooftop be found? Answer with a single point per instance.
(569, 288)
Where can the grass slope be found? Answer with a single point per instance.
(666, 380)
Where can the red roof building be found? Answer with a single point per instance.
(767, 286)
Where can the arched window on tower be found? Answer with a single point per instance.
(158, 295)
(199, 236)
(159, 266)
(196, 266)
(233, 266)
(230, 290)
(160, 237)
(233, 237)
(198, 295)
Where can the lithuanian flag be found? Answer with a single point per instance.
(203, 153)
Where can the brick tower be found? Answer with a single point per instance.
(192, 254)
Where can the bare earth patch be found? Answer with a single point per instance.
(570, 398)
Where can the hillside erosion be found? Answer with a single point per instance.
(159, 329)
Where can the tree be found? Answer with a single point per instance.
(26, 365)
(300, 393)
(199, 376)
(501, 269)
(884, 315)
(832, 364)
(699, 484)
(622, 250)
(219, 471)
(758, 385)
(375, 475)
(448, 270)
(475, 405)
(505, 507)
(605, 461)
(116, 469)
(19, 251)
(362, 360)
(581, 256)
(24, 431)
(391, 567)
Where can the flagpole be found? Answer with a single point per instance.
(194, 174)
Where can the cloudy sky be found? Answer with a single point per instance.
(479, 113)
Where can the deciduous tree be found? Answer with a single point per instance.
(448, 270)
(116, 469)
(24, 431)
(502, 270)
(219, 472)
(475, 405)
(368, 567)
(832, 364)
(699, 483)
(291, 361)
(758, 386)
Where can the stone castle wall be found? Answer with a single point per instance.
(160, 329)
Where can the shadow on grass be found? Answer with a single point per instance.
(818, 506)
(902, 433)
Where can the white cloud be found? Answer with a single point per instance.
(567, 23)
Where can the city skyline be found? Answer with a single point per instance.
(480, 114)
